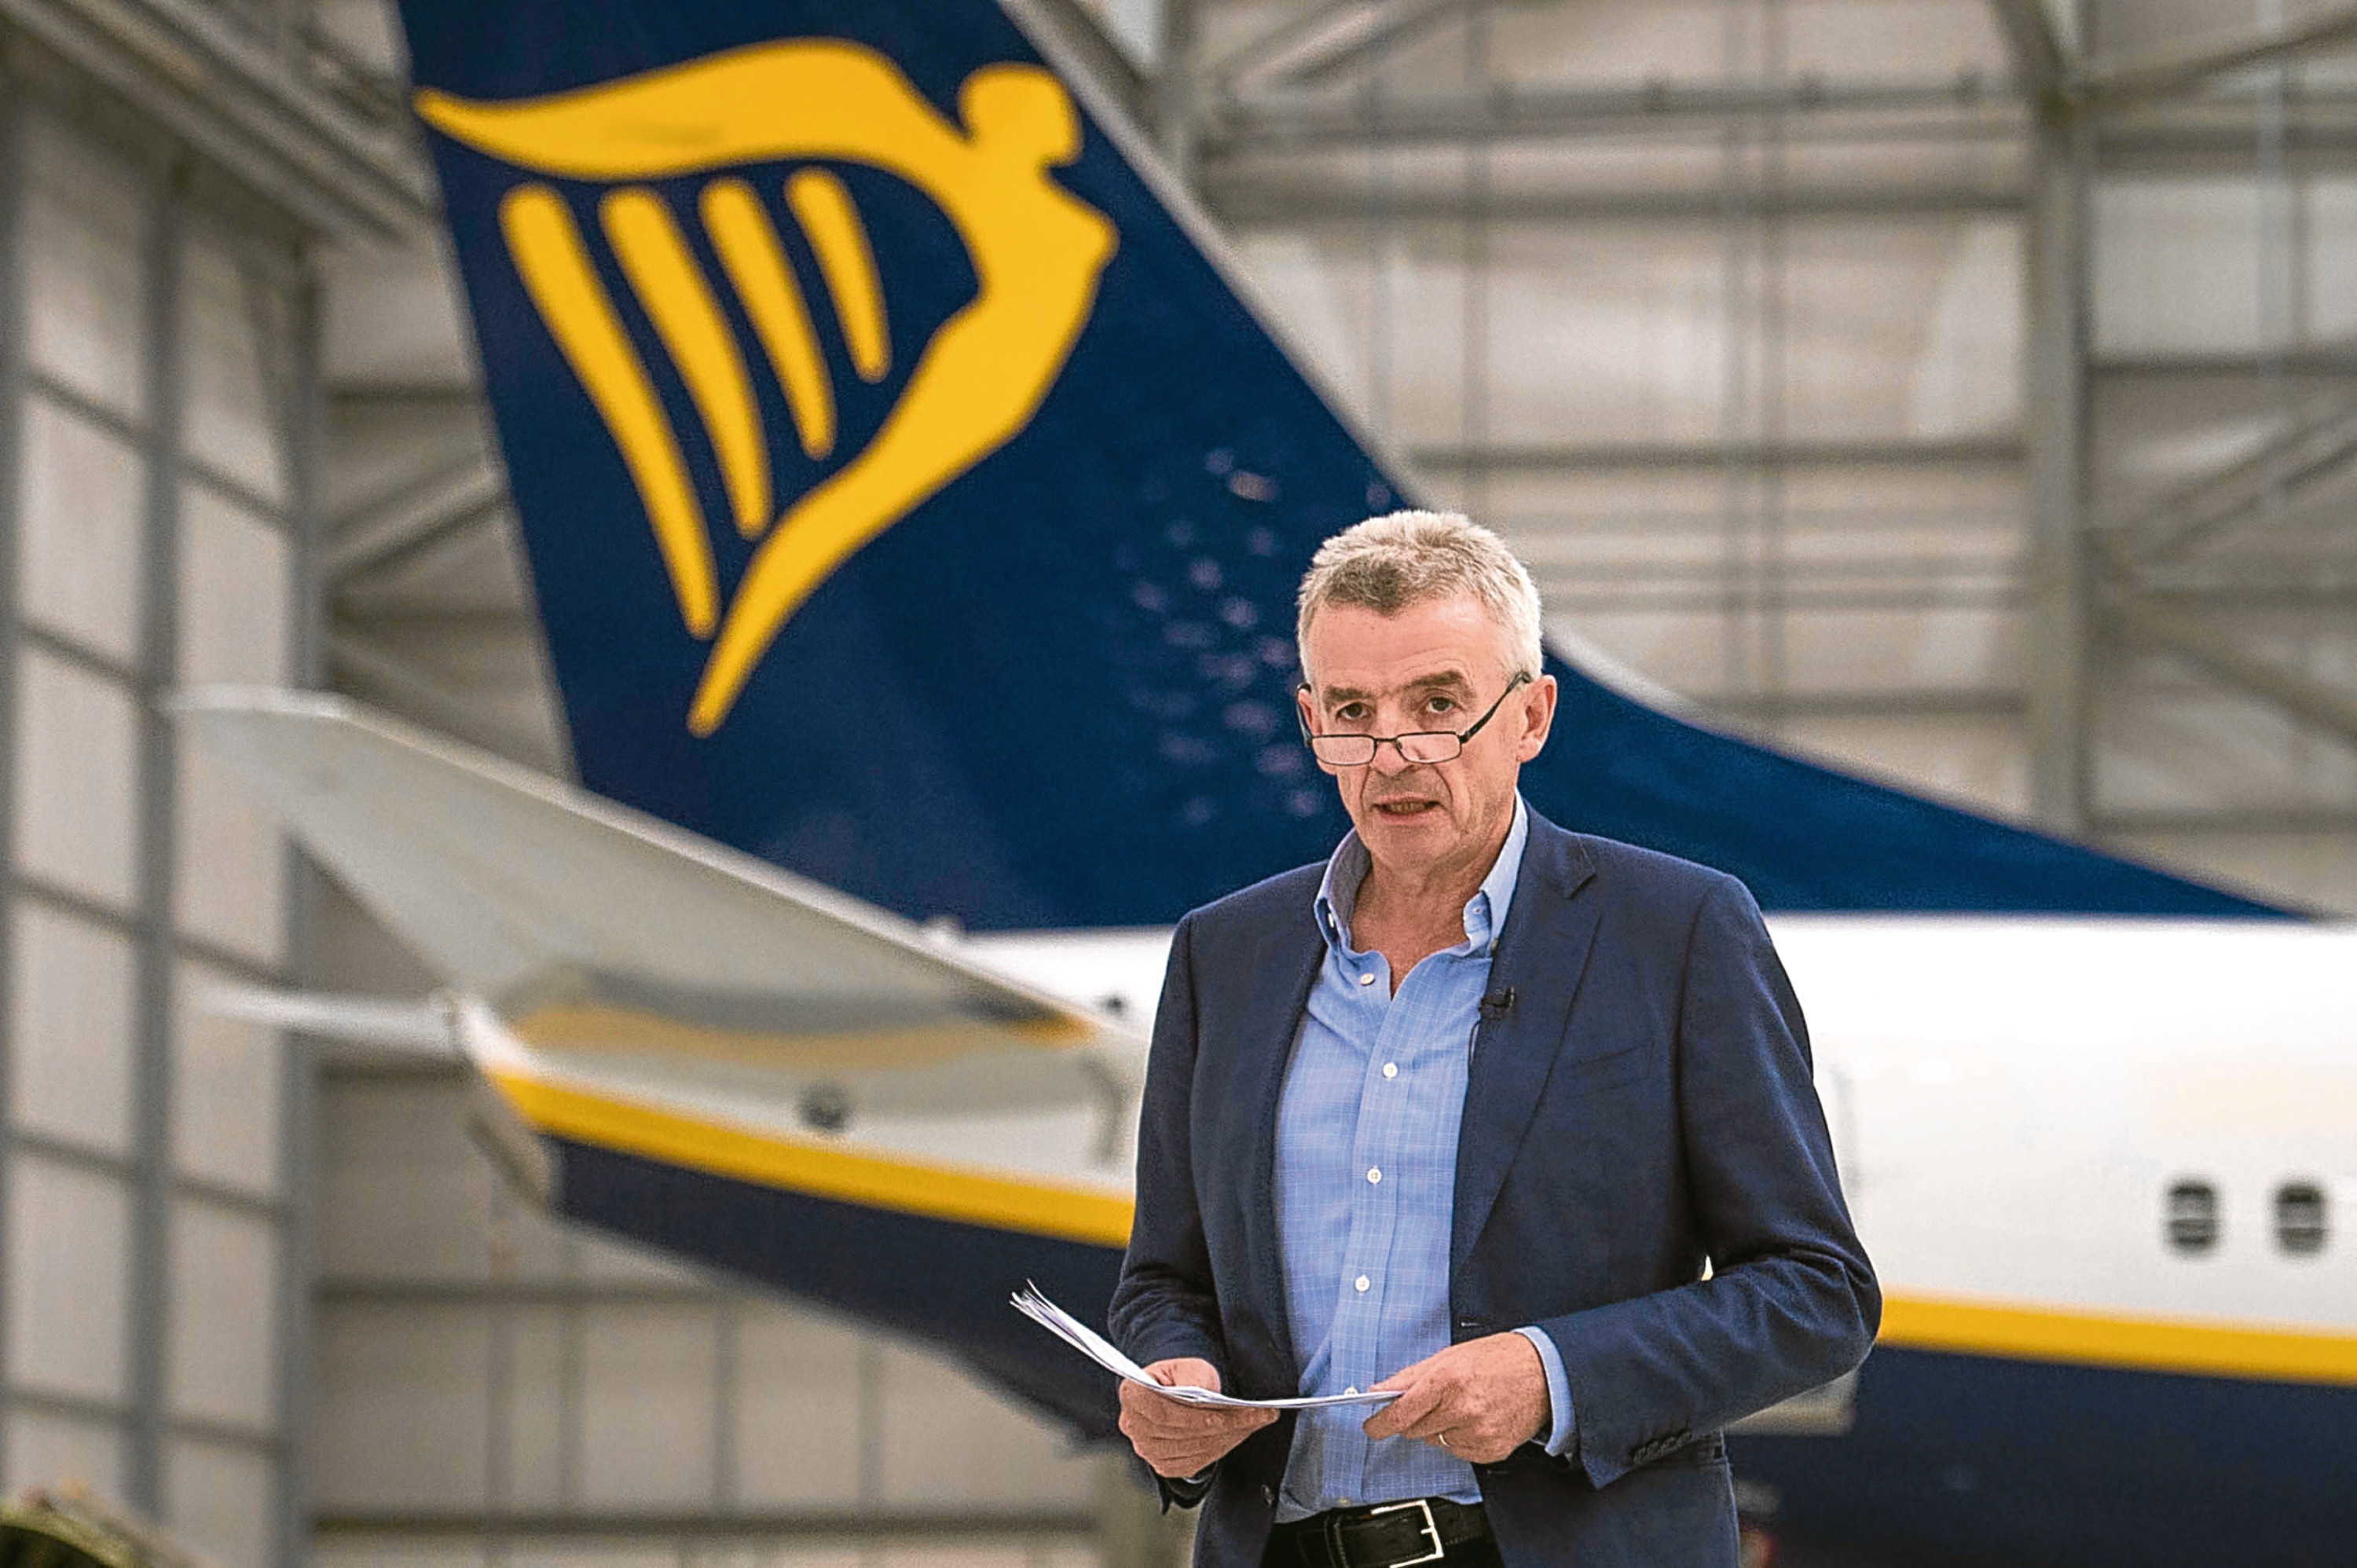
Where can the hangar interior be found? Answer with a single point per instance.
(1962, 391)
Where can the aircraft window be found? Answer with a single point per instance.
(2193, 1217)
(2300, 1218)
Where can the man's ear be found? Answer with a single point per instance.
(1538, 718)
(1307, 712)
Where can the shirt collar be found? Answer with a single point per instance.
(1485, 912)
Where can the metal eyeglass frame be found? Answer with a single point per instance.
(1376, 742)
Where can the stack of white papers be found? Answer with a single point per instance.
(1031, 1304)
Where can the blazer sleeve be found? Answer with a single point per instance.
(1792, 1301)
(1164, 1304)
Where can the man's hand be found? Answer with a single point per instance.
(1180, 1440)
(1479, 1400)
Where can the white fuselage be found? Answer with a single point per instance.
(2012, 1100)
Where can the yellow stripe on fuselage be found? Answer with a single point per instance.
(1034, 1206)
(2190, 1345)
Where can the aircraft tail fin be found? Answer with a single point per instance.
(914, 500)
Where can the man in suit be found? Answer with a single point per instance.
(1515, 1122)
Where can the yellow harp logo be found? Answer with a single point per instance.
(1037, 251)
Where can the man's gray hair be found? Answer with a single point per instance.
(1387, 564)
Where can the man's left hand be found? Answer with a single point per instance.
(1479, 1400)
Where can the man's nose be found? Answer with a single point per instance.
(1390, 758)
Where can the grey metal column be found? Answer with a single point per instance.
(151, 1144)
(1737, 228)
(1176, 112)
(2054, 410)
(12, 404)
(305, 408)
(1473, 383)
(1770, 596)
(727, 1363)
(500, 1359)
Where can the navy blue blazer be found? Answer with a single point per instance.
(1645, 1104)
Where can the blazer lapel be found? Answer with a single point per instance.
(1286, 969)
(1541, 955)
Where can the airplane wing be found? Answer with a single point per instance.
(695, 1049)
(607, 943)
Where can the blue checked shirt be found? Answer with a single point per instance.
(1366, 1184)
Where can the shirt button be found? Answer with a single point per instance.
(1391, 1070)
(1361, 1282)
(1368, 978)
(1373, 1175)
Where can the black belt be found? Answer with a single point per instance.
(1385, 1535)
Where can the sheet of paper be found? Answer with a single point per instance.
(1033, 1304)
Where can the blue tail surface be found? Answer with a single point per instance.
(912, 500)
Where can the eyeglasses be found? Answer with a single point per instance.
(1419, 745)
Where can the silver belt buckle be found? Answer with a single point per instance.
(1422, 1506)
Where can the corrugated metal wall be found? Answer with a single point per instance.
(152, 481)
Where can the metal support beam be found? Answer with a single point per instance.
(2064, 90)
(1260, 59)
(1272, 45)
(2189, 637)
(361, 616)
(2244, 489)
(1091, 49)
(372, 673)
(12, 402)
(2323, 584)
(2137, 82)
(1942, 702)
(2040, 61)
(150, 1266)
(727, 1378)
(1538, 457)
(1256, 199)
(365, 398)
(1569, 596)
(2328, 361)
(1177, 115)
(2300, 819)
(1960, 108)
(413, 517)
(244, 106)
(2214, 135)
(300, 1065)
(1318, 46)
(2055, 413)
